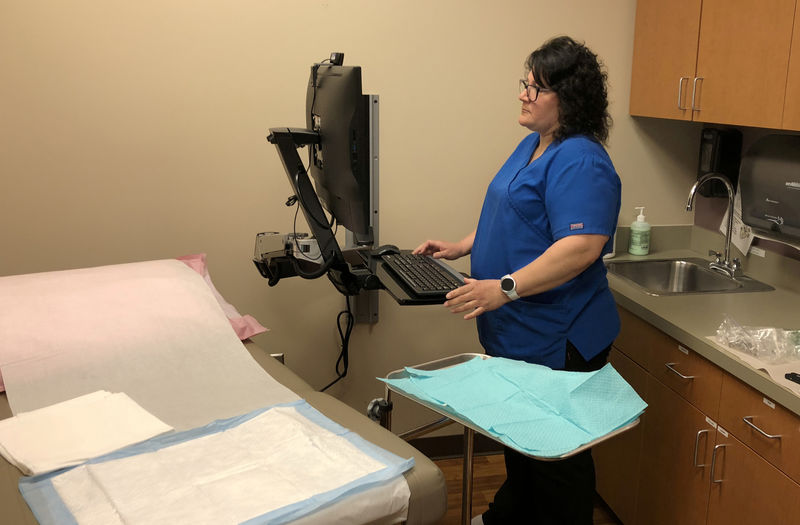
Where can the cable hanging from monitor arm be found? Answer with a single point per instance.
(314, 70)
(293, 200)
(303, 169)
(325, 266)
(344, 354)
(316, 274)
(319, 272)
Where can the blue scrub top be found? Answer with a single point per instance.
(571, 189)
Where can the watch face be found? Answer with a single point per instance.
(507, 284)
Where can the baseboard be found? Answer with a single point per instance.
(443, 447)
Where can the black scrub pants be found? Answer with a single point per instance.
(548, 492)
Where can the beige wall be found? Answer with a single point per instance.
(136, 130)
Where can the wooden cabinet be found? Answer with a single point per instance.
(634, 332)
(742, 59)
(706, 450)
(678, 440)
(717, 61)
(664, 58)
(791, 110)
(617, 460)
(769, 429)
(692, 377)
(746, 489)
(659, 475)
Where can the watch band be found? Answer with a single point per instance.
(509, 287)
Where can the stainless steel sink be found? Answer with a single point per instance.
(682, 276)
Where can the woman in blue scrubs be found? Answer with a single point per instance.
(538, 289)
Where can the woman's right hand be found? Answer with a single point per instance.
(441, 249)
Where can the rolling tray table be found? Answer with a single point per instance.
(469, 427)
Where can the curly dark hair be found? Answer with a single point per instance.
(578, 77)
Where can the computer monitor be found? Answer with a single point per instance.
(339, 137)
(340, 163)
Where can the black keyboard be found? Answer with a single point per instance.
(424, 275)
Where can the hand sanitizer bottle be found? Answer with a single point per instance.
(640, 235)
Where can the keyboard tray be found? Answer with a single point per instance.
(423, 275)
(400, 292)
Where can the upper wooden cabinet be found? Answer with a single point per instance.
(791, 111)
(717, 61)
(664, 58)
(743, 60)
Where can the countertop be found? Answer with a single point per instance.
(691, 318)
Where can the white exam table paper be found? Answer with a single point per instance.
(153, 330)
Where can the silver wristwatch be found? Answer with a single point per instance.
(509, 287)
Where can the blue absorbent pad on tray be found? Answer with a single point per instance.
(531, 408)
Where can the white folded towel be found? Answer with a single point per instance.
(73, 431)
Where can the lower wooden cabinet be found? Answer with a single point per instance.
(682, 464)
(617, 460)
(746, 489)
(675, 462)
(762, 425)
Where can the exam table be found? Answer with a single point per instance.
(428, 501)
(428, 498)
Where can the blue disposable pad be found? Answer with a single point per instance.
(531, 408)
(50, 507)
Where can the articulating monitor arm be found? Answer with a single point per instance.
(346, 279)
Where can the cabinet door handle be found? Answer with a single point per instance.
(714, 463)
(694, 93)
(671, 367)
(680, 93)
(696, 444)
(748, 422)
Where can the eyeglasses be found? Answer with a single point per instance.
(529, 88)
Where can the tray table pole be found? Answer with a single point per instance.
(426, 429)
(466, 483)
(388, 397)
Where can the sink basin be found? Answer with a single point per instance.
(682, 276)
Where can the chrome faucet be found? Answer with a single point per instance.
(721, 263)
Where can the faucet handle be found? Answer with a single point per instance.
(736, 264)
(716, 254)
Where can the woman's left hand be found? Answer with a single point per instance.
(476, 297)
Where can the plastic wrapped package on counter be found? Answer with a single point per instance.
(773, 345)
